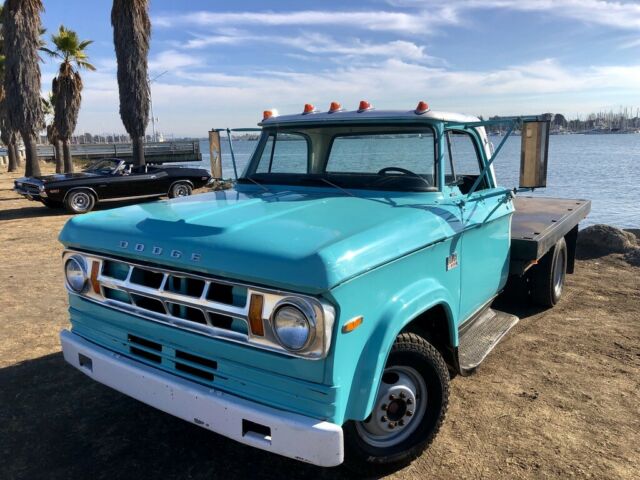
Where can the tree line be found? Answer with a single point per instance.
(23, 110)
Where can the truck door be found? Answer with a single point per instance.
(486, 219)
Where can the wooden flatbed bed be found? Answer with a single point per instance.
(538, 223)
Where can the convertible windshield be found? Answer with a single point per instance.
(390, 158)
(104, 166)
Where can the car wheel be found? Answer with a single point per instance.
(180, 189)
(80, 201)
(409, 409)
(547, 278)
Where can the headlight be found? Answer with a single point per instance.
(294, 324)
(75, 269)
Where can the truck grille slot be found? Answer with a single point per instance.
(142, 352)
(148, 303)
(196, 372)
(118, 295)
(186, 313)
(146, 278)
(113, 269)
(192, 287)
(227, 294)
(212, 364)
(220, 321)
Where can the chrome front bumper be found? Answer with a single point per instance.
(277, 431)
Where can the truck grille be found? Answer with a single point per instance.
(205, 305)
(202, 304)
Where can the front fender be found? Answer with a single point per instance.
(387, 305)
(416, 300)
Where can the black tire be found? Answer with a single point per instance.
(414, 352)
(180, 189)
(80, 201)
(547, 278)
(51, 203)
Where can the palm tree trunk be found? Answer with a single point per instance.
(32, 168)
(68, 161)
(59, 155)
(138, 150)
(16, 154)
(12, 153)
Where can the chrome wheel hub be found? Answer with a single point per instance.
(80, 201)
(399, 408)
(181, 191)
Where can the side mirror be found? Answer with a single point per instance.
(534, 154)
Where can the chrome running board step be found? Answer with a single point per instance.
(480, 335)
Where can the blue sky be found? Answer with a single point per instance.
(226, 62)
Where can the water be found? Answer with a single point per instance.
(602, 168)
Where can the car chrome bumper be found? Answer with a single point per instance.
(277, 431)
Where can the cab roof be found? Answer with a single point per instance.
(367, 116)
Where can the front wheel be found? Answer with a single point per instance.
(408, 411)
(180, 189)
(80, 201)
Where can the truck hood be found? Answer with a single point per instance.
(307, 241)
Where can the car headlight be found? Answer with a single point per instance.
(294, 324)
(75, 270)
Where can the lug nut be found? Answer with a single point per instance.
(384, 406)
(409, 401)
(383, 419)
(392, 397)
(403, 395)
(409, 413)
(401, 423)
(392, 424)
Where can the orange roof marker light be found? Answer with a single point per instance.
(364, 106)
(335, 107)
(267, 114)
(308, 108)
(422, 107)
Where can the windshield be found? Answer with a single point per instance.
(387, 158)
(105, 166)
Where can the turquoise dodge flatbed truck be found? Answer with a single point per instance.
(318, 309)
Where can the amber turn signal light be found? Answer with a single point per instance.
(95, 284)
(352, 324)
(255, 315)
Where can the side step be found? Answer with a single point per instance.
(480, 335)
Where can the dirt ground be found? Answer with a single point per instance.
(558, 398)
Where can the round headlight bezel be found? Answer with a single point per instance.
(81, 264)
(309, 315)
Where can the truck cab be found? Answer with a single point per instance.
(319, 307)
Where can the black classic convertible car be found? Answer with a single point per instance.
(111, 180)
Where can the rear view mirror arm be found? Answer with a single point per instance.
(486, 168)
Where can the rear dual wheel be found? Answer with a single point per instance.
(547, 278)
(408, 411)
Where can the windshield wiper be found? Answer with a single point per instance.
(338, 187)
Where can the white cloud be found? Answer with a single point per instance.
(416, 23)
(195, 101)
(623, 15)
(172, 59)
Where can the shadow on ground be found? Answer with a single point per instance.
(57, 423)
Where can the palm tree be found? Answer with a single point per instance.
(52, 135)
(67, 87)
(21, 31)
(131, 34)
(7, 134)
